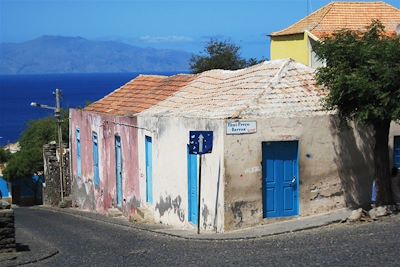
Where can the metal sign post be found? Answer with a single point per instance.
(200, 142)
(199, 201)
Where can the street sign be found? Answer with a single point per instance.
(241, 127)
(200, 142)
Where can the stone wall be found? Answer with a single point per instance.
(7, 230)
(51, 188)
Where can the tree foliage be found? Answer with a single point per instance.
(28, 161)
(220, 55)
(4, 155)
(362, 74)
(362, 77)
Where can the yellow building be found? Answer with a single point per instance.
(297, 40)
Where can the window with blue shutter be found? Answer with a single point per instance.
(96, 174)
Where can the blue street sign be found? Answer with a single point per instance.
(200, 142)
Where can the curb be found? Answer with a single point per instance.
(39, 250)
(192, 236)
(55, 252)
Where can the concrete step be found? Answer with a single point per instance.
(143, 215)
(114, 213)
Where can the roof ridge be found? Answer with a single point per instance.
(152, 75)
(233, 72)
(329, 8)
(305, 18)
(165, 76)
(270, 84)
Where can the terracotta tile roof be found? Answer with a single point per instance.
(139, 94)
(279, 88)
(345, 15)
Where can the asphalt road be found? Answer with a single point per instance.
(85, 242)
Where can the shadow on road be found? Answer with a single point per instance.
(22, 248)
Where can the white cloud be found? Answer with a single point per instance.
(165, 39)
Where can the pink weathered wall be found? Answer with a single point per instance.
(85, 194)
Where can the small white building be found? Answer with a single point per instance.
(276, 153)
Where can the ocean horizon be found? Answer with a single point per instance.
(78, 89)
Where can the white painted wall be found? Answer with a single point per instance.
(170, 182)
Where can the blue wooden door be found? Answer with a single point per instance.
(118, 168)
(78, 153)
(280, 179)
(192, 187)
(396, 152)
(96, 174)
(149, 169)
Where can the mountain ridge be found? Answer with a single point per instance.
(64, 54)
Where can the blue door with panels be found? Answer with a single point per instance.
(118, 168)
(280, 179)
(192, 187)
(149, 169)
(96, 174)
(78, 153)
(396, 152)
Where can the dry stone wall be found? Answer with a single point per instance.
(7, 229)
(51, 189)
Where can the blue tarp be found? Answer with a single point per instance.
(4, 188)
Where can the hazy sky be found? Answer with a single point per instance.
(185, 25)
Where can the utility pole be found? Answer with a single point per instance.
(57, 115)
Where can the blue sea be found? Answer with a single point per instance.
(18, 91)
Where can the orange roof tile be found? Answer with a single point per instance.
(345, 15)
(139, 94)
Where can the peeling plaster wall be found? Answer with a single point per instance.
(101, 198)
(170, 175)
(329, 161)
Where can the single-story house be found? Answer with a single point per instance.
(275, 152)
(103, 144)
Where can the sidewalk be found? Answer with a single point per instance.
(275, 228)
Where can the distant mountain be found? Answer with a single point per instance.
(56, 54)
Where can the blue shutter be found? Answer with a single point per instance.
(78, 154)
(149, 169)
(96, 174)
(396, 152)
(192, 187)
(118, 169)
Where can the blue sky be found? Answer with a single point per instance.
(185, 25)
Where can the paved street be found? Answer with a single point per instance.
(85, 242)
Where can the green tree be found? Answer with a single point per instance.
(28, 161)
(4, 155)
(362, 77)
(220, 55)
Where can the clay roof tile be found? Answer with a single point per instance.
(139, 94)
(345, 15)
